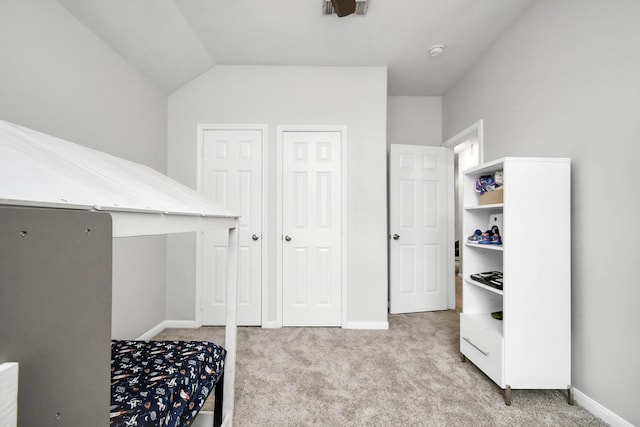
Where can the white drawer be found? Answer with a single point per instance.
(482, 344)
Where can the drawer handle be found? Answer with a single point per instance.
(475, 346)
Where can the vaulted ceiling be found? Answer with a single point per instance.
(174, 41)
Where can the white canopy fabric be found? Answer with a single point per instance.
(37, 169)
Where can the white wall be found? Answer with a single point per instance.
(352, 96)
(564, 81)
(139, 285)
(414, 120)
(59, 78)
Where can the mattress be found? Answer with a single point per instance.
(162, 383)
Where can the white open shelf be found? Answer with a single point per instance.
(470, 281)
(485, 246)
(531, 347)
(492, 206)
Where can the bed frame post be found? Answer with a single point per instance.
(231, 328)
(219, 398)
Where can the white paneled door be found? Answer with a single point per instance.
(421, 214)
(311, 229)
(232, 176)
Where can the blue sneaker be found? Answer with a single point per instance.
(475, 238)
(490, 237)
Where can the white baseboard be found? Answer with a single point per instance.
(366, 325)
(348, 325)
(598, 410)
(270, 325)
(185, 324)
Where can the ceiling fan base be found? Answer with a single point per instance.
(344, 7)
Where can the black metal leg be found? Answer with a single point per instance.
(507, 395)
(570, 400)
(217, 408)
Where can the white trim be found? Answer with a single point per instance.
(281, 129)
(278, 236)
(201, 128)
(598, 410)
(451, 231)
(127, 224)
(182, 324)
(271, 324)
(345, 199)
(474, 130)
(367, 325)
(263, 237)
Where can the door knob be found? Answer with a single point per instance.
(255, 237)
(396, 237)
(287, 238)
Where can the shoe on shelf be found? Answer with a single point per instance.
(475, 237)
(487, 238)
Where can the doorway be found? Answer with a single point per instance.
(467, 146)
(311, 218)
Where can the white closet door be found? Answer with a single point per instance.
(311, 228)
(232, 169)
(421, 210)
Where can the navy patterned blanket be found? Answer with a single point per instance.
(162, 383)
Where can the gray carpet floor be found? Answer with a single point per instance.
(409, 375)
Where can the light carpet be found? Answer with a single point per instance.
(409, 375)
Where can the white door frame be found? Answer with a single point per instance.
(477, 130)
(202, 128)
(474, 130)
(281, 129)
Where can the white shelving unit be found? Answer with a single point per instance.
(531, 347)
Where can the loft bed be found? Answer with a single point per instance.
(54, 188)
